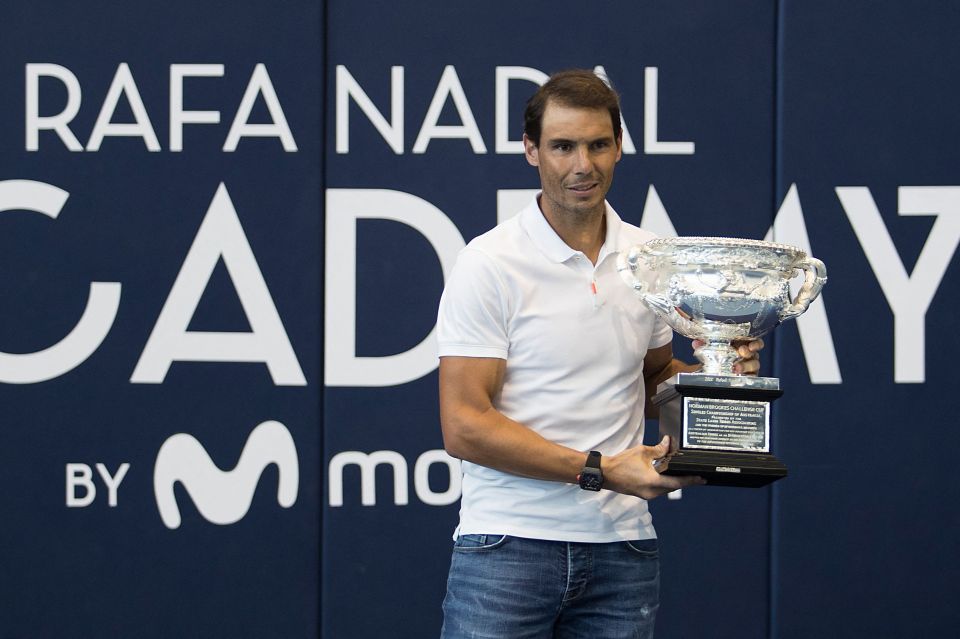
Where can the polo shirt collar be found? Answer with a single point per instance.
(554, 248)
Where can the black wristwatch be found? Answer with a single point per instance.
(591, 477)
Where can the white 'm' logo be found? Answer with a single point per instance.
(223, 497)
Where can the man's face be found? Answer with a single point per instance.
(575, 158)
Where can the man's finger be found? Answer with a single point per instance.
(663, 448)
(747, 351)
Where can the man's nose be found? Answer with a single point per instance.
(583, 162)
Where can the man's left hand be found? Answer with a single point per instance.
(749, 351)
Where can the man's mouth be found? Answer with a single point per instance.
(583, 188)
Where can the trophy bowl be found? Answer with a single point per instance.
(721, 290)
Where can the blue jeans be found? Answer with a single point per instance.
(503, 587)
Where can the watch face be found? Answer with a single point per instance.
(591, 480)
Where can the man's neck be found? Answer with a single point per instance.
(584, 232)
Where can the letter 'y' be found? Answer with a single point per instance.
(909, 296)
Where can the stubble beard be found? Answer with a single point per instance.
(578, 214)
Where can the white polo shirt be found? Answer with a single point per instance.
(574, 337)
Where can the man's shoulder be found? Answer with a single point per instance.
(499, 240)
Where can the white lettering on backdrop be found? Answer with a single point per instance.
(449, 86)
(123, 84)
(220, 237)
(909, 296)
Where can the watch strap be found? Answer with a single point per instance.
(591, 477)
(593, 460)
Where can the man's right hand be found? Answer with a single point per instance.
(633, 472)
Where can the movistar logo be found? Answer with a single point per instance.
(223, 497)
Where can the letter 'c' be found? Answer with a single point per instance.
(97, 318)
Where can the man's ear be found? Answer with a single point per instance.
(531, 151)
(620, 146)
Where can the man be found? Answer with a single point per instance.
(545, 356)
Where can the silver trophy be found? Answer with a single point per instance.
(720, 291)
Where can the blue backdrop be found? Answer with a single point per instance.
(224, 231)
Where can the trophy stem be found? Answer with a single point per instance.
(717, 356)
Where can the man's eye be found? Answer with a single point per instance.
(561, 146)
(600, 145)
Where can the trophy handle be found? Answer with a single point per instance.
(815, 277)
(627, 265)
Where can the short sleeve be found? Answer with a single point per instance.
(472, 319)
(661, 335)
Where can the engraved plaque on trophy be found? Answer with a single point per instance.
(720, 291)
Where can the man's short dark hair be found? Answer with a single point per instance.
(578, 88)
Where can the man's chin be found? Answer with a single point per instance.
(586, 204)
(584, 207)
(586, 210)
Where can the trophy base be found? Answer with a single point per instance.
(719, 426)
(722, 468)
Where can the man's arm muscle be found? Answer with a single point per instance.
(475, 431)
